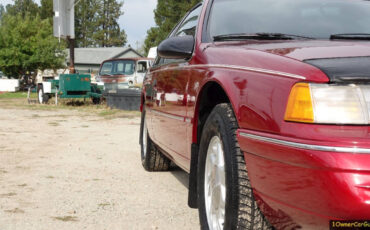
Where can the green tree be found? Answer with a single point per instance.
(108, 32)
(167, 14)
(27, 44)
(151, 39)
(23, 7)
(46, 9)
(2, 12)
(86, 14)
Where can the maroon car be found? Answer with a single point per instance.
(266, 104)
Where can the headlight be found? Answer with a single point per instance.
(329, 104)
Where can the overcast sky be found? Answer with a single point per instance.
(138, 18)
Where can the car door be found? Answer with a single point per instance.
(141, 69)
(170, 82)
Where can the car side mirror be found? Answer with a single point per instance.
(177, 47)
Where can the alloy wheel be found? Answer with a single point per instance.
(41, 97)
(214, 185)
(145, 138)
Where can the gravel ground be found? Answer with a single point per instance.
(65, 169)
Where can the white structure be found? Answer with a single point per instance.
(49, 74)
(64, 15)
(9, 85)
(152, 52)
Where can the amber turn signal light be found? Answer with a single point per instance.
(300, 108)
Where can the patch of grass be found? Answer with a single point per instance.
(107, 113)
(8, 194)
(20, 167)
(52, 116)
(16, 95)
(77, 103)
(53, 123)
(16, 210)
(22, 185)
(129, 114)
(66, 218)
(103, 205)
(50, 177)
(115, 113)
(85, 108)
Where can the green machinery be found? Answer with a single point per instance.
(69, 86)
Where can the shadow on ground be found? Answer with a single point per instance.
(181, 176)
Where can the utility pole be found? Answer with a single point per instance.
(71, 42)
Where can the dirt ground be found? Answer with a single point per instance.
(72, 169)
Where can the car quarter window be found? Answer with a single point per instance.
(187, 26)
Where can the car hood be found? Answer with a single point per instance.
(316, 60)
(340, 61)
(315, 49)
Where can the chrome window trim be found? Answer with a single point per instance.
(244, 68)
(306, 146)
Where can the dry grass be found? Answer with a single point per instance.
(16, 210)
(87, 108)
(8, 194)
(54, 123)
(66, 218)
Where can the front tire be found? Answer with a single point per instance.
(151, 157)
(96, 101)
(42, 97)
(225, 196)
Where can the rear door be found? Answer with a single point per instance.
(170, 84)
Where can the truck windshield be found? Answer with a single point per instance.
(306, 18)
(119, 67)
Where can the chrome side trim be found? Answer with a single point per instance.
(306, 146)
(363, 186)
(250, 69)
(175, 117)
(188, 120)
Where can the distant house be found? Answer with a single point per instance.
(88, 60)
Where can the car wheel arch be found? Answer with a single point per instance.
(142, 103)
(203, 107)
(211, 94)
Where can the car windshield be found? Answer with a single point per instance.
(318, 19)
(120, 67)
